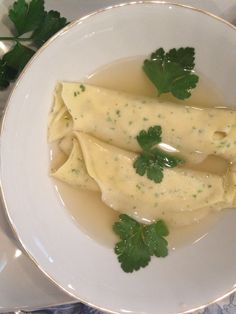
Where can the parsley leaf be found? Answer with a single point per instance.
(154, 237)
(172, 71)
(126, 227)
(181, 88)
(26, 16)
(51, 24)
(147, 163)
(3, 71)
(184, 56)
(153, 160)
(139, 242)
(147, 139)
(7, 74)
(133, 253)
(18, 57)
(154, 171)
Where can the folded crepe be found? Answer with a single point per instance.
(183, 196)
(117, 118)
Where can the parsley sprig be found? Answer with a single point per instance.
(28, 18)
(172, 71)
(139, 242)
(153, 160)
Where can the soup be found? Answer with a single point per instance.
(92, 215)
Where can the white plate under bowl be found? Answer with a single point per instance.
(190, 276)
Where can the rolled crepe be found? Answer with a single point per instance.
(74, 172)
(116, 117)
(182, 191)
(66, 144)
(60, 120)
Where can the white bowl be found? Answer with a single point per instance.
(190, 276)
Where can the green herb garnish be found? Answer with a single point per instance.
(27, 17)
(172, 71)
(7, 74)
(153, 160)
(139, 242)
(51, 23)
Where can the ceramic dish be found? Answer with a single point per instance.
(77, 263)
(22, 285)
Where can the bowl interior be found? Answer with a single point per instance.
(77, 263)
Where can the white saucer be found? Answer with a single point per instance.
(22, 285)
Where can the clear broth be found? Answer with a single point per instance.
(86, 208)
